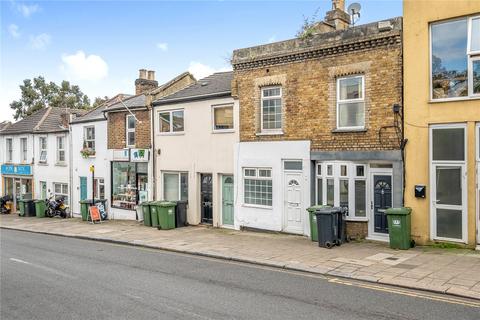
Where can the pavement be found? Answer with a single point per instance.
(449, 271)
(51, 277)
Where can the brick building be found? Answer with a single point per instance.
(129, 140)
(320, 123)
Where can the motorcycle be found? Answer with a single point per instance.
(56, 207)
(3, 204)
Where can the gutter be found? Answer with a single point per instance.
(193, 98)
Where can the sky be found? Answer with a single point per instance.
(101, 45)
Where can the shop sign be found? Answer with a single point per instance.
(139, 155)
(121, 155)
(23, 170)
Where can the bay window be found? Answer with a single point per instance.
(171, 121)
(342, 184)
(175, 186)
(351, 103)
(271, 109)
(454, 58)
(257, 183)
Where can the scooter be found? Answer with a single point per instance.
(3, 204)
(56, 207)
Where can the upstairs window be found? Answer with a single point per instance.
(351, 103)
(130, 129)
(23, 148)
(42, 143)
(271, 109)
(455, 58)
(60, 149)
(9, 147)
(171, 121)
(89, 137)
(222, 118)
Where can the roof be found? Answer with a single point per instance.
(44, 120)
(97, 114)
(4, 125)
(216, 85)
(169, 83)
(131, 102)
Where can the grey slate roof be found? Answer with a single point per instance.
(216, 85)
(43, 121)
(132, 102)
(97, 114)
(4, 125)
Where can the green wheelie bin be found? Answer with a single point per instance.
(147, 218)
(399, 223)
(313, 221)
(154, 211)
(84, 206)
(166, 215)
(21, 206)
(40, 208)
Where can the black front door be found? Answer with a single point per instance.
(206, 198)
(382, 200)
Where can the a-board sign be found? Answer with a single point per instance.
(95, 214)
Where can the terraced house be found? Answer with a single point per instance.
(320, 122)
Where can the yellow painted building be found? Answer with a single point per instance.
(442, 117)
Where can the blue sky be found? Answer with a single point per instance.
(100, 45)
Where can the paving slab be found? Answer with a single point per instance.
(455, 272)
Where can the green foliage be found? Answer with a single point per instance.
(38, 94)
(99, 101)
(308, 27)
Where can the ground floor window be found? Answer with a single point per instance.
(257, 183)
(61, 189)
(129, 184)
(342, 184)
(175, 186)
(99, 188)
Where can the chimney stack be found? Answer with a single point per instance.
(145, 82)
(337, 17)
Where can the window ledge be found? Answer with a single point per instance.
(271, 133)
(433, 101)
(353, 219)
(61, 164)
(349, 130)
(171, 133)
(223, 131)
(42, 164)
(257, 206)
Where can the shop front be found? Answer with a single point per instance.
(17, 182)
(129, 183)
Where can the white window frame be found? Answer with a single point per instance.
(346, 101)
(41, 149)
(130, 130)
(61, 193)
(179, 175)
(448, 163)
(60, 150)
(97, 188)
(170, 112)
(351, 177)
(219, 106)
(471, 55)
(262, 98)
(23, 149)
(86, 139)
(9, 150)
(256, 177)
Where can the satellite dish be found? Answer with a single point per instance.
(354, 11)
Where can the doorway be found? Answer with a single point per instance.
(293, 195)
(206, 203)
(227, 201)
(381, 198)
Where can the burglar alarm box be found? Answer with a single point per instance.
(420, 191)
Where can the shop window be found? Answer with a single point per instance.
(171, 121)
(271, 109)
(258, 186)
(351, 103)
(61, 189)
(222, 118)
(130, 130)
(455, 52)
(60, 149)
(9, 149)
(42, 143)
(175, 186)
(124, 185)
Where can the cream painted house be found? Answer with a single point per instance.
(195, 131)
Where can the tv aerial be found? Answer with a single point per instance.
(354, 12)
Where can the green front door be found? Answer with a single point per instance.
(227, 200)
(83, 188)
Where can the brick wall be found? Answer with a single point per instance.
(117, 129)
(309, 98)
(357, 230)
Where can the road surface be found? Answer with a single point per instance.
(49, 277)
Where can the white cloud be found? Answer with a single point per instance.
(13, 30)
(79, 66)
(41, 41)
(200, 70)
(272, 39)
(25, 10)
(162, 46)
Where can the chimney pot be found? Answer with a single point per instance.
(338, 4)
(151, 75)
(142, 74)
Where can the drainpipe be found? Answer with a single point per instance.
(154, 157)
(70, 165)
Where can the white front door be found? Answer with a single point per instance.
(293, 202)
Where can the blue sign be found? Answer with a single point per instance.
(23, 170)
